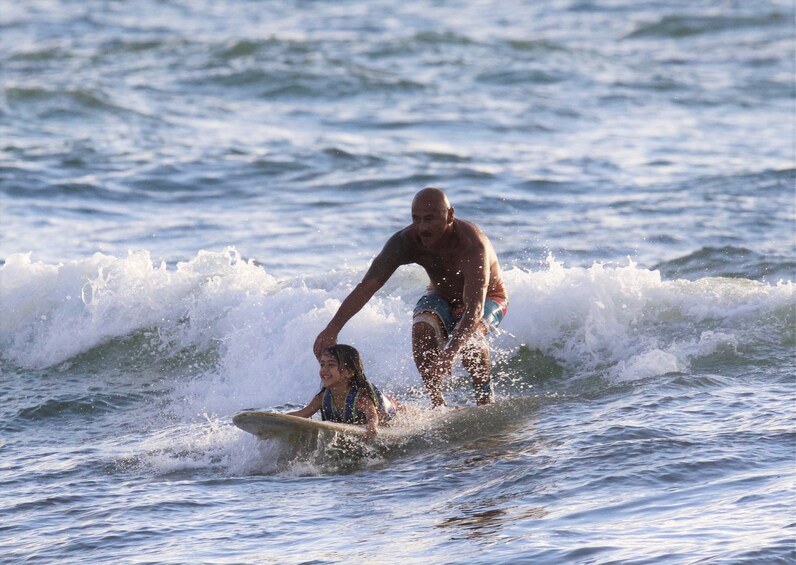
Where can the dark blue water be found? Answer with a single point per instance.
(188, 189)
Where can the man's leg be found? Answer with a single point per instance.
(432, 320)
(425, 348)
(475, 358)
(475, 354)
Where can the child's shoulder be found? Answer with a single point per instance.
(365, 400)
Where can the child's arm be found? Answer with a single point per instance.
(372, 422)
(309, 409)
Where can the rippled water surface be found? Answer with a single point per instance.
(188, 189)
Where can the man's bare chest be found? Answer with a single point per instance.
(439, 266)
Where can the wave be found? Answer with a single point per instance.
(618, 322)
(335, 79)
(53, 102)
(82, 405)
(682, 26)
(729, 261)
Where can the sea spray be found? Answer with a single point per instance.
(55, 312)
(599, 320)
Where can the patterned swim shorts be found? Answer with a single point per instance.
(432, 303)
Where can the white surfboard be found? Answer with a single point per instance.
(411, 425)
(273, 424)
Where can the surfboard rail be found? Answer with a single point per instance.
(265, 424)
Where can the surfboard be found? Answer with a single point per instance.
(275, 425)
(416, 425)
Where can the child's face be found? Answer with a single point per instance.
(330, 373)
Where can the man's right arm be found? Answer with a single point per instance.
(382, 268)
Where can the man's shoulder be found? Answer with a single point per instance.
(400, 240)
(399, 248)
(470, 234)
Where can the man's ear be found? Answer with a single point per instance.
(450, 214)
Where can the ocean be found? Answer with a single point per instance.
(188, 189)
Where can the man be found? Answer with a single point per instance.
(465, 299)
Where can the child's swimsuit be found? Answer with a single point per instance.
(351, 414)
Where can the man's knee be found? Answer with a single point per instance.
(424, 344)
(427, 330)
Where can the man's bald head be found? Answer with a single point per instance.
(431, 198)
(432, 216)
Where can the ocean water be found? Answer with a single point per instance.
(189, 189)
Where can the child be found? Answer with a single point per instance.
(346, 394)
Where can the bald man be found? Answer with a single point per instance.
(465, 299)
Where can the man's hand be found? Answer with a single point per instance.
(326, 338)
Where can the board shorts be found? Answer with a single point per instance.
(433, 309)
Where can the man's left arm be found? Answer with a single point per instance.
(476, 280)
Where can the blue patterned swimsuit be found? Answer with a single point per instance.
(351, 414)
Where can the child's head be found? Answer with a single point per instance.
(349, 358)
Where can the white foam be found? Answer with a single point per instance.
(202, 445)
(54, 312)
(618, 321)
(630, 322)
(648, 364)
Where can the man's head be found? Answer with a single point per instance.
(432, 215)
